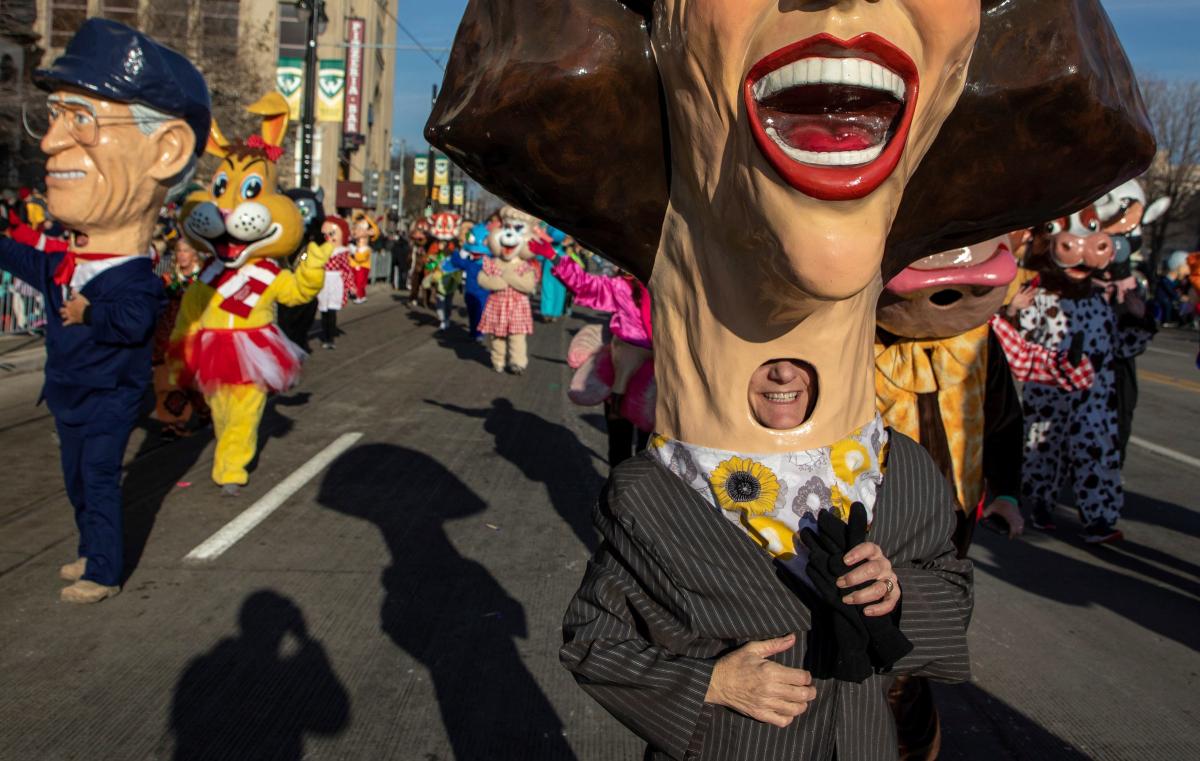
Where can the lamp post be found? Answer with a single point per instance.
(312, 12)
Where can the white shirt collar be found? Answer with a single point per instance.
(85, 270)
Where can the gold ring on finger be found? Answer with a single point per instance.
(891, 585)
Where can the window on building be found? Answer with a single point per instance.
(167, 22)
(66, 16)
(125, 11)
(21, 12)
(292, 34)
(219, 29)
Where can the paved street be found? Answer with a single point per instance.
(405, 603)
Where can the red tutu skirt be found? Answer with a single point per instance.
(260, 356)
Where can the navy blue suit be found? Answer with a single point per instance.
(96, 377)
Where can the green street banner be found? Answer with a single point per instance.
(331, 91)
(289, 81)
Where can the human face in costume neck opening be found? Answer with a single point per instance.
(782, 393)
(794, 128)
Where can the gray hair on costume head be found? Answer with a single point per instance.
(148, 121)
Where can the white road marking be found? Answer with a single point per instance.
(1156, 350)
(1165, 452)
(237, 528)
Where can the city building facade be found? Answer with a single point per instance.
(246, 46)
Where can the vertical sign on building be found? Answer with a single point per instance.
(441, 171)
(460, 194)
(420, 171)
(356, 30)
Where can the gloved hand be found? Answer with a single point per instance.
(542, 249)
(888, 644)
(885, 643)
(851, 662)
(318, 255)
(1075, 353)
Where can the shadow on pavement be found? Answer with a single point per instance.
(547, 453)
(446, 610)
(256, 694)
(158, 467)
(977, 726)
(1145, 509)
(1039, 567)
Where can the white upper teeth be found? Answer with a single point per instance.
(67, 175)
(830, 71)
(790, 396)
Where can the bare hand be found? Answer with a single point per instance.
(1023, 299)
(72, 312)
(747, 682)
(876, 568)
(1010, 513)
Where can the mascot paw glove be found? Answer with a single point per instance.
(318, 255)
(542, 249)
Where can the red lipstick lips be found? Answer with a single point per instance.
(832, 116)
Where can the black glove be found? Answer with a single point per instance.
(1075, 353)
(850, 662)
(888, 644)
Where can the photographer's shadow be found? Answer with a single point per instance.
(256, 695)
(446, 610)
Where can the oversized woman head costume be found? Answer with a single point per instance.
(761, 163)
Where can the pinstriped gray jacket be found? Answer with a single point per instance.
(674, 586)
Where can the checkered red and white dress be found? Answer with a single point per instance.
(507, 312)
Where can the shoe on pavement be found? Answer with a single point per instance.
(1042, 518)
(329, 346)
(73, 571)
(231, 490)
(87, 592)
(1102, 532)
(516, 370)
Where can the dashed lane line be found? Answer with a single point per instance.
(1168, 352)
(236, 529)
(1167, 380)
(1167, 452)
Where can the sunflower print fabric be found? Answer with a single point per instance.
(771, 498)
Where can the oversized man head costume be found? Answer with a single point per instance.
(128, 119)
(761, 162)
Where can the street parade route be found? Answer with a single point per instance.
(392, 582)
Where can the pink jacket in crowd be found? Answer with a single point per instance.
(630, 321)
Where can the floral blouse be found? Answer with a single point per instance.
(773, 497)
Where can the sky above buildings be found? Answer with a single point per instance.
(1159, 35)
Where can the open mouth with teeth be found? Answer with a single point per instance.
(229, 249)
(832, 116)
(65, 175)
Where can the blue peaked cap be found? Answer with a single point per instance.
(114, 62)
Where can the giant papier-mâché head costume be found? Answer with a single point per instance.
(763, 163)
(243, 215)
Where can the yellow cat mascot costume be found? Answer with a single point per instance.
(226, 342)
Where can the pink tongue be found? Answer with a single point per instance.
(819, 139)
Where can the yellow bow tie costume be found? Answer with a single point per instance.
(953, 369)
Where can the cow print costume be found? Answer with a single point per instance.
(1074, 433)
